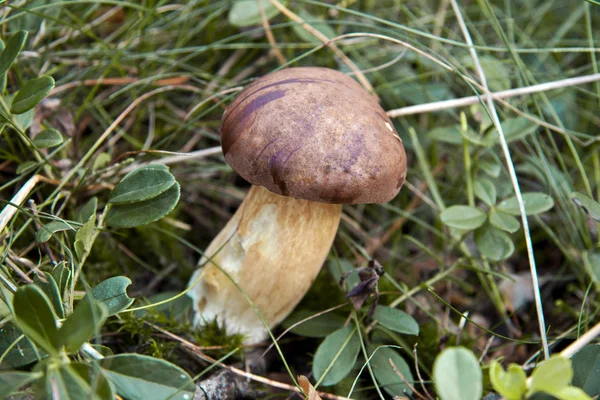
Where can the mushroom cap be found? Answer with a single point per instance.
(314, 134)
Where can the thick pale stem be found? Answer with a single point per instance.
(273, 247)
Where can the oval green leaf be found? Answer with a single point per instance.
(113, 294)
(86, 321)
(493, 243)
(504, 221)
(551, 376)
(486, 191)
(535, 203)
(317, 23)
(31, 94)
(457, 375)
(11, 51)
(396, 320)
(11, 381)
(336, 356)
(463, 217)
(47, 138)
(247, 13)
(590, 206)
(47, 283)
(586, 369)
(46, 231)
(144, 212)
(319, 326)
(138, 377)
(145, 184)
(387, 378)
(75, 381)
(36, 318)
(511, 384)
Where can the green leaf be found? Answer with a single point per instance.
(101, 161)
(11, 51)
(551, 376)
(35, 317)
(496, 73)
(77, 381)
(511, 384)
(396, 320)
(246, 12)
(590, 206)
(84, 237)
(535, 203)
(47, 138)
(50, 287)
(320, 326)
(144, 212)
(514, 129)
(490, 168)
(316, 23)
(457, 375)
(504, 221)
(19, 355)
(31, 94)
(387, 378)
(46, 231)
(113, 293)
(450, 134)
(586, 369)
(87, 210)
(11, 381)
(336, 356)
(62, 276)
(463, 217)
(143, 185)
(138, 377)
(26, 167)
(86, 321)
(486, 191)
(493, 243)
(571, 393)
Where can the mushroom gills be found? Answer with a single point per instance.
(273, 247)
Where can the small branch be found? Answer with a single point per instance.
(580, 343)
(18, 199)
(505, 94)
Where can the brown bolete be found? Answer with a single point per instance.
(309, 140)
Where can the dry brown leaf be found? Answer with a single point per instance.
(311, 393)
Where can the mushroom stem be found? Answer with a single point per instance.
(273, 248)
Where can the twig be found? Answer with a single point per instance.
(418, 371)
(581, 342)
(240, 372)
(176, 80)
(401, 376)
(505, 94)
(18, 199)
(513, 177)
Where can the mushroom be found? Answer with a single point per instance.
(308, 140)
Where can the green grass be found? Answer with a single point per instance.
(133, 81)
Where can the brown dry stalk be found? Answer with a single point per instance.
(257, 378)
(270, 38)
(309, 390)
(176, 80)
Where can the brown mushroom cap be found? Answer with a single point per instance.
(314, 134)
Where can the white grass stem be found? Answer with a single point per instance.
(18, 199)
(505, 94)
(513, 176)
(580, 343)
